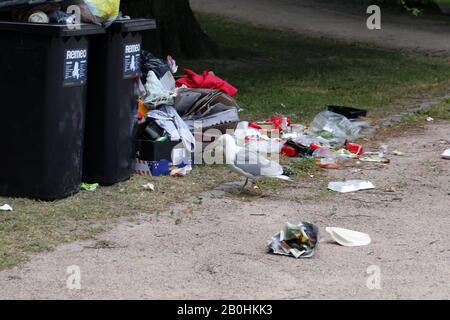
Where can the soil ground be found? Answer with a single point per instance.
(217, 249)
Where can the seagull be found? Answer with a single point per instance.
(245, 162)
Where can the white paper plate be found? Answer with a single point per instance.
(349, 238)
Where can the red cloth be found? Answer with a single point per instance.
(206, 81)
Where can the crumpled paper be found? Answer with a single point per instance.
(298, 241)
(149, 186)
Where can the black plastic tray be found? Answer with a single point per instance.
(349, 112)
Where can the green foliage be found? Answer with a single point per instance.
(286, 73)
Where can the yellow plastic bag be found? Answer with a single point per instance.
(106, 10)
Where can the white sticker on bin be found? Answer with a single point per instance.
(132, 60)
(75, 67)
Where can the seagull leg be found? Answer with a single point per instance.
(259, 187)
(245, 184)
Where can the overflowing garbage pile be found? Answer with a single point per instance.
(101, 12)
(173, 111)
(170, 110)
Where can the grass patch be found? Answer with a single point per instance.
(273, 68)
(303, 168)
(36, 226)
(322, 194)
(439, 111)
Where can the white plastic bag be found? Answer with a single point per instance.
(156, 93)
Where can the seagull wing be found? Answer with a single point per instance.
(253, 164)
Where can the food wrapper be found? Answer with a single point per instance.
(298, 241)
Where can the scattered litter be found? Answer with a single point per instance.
(398, 153)
(89, 186)
(327, 163)
(348, 238)
(280, 122)
(446, 154)
(430, 119)
(189, 210)
(297, 149)
(349, 112)
(299, 241)
(149, 186)
(384, 149)
(390, 189)
(354, 148)
(180, 172)
(374, 157)
(350, 186)
(6, 207)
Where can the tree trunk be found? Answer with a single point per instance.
(178, 33)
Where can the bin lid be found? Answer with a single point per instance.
(54, 30)
(133, 25)
(11, 4)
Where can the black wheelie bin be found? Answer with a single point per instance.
(111, 120)
(43, 78)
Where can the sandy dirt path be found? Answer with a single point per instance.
(333, 21)
(218, 251)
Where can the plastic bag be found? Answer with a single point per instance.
(104, 11)
(62, 17)
(149, 62)
(339, 127)
(156, 94)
